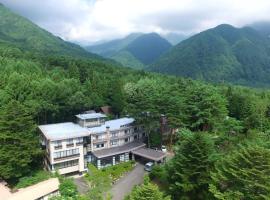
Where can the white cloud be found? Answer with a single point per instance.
(87, 21)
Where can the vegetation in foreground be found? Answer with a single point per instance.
(203, 170)
(100, 181)
(146, 191)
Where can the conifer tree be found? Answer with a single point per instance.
(188, 174)
(19, 144)
(146, 191)
(243, 174)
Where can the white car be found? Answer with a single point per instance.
(163, 149)
(148, 166)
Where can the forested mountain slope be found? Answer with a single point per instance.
(110, 48)
(262, 27)
(27, 36)
(135, 51)
(224, 53)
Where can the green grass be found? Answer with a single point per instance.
(101, 180)
(33, 178)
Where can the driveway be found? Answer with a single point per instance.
(81, 184)
(124, 186)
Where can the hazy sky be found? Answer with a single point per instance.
(87, 21)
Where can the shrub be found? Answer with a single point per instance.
(68, 188)
(33, 178)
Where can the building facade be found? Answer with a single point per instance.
(70, 146)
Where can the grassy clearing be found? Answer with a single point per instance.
(34, 178)
(101, 181)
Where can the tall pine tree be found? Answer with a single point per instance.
(146, 191)
(19, 144)
(243, 174)
(188, 174)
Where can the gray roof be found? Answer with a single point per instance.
(63, 131)
(115, 124)
(91, 116)
(150, 154)
(118, 150)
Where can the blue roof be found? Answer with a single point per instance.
(62, 131)
(91, 116)
(112, 124)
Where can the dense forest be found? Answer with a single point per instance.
(219, 133)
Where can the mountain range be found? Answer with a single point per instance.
(136, 50)
(25, 35)
(221, 54)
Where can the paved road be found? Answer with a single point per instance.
(125, 184)
(81, 184)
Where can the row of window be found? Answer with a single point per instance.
(115, 142)
(68, 142)
(66, 164)
(66, 153)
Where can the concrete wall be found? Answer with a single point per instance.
(80, 166)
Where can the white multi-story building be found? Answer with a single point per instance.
(69, 146)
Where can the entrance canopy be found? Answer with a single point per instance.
(118, 150)
(150, 154)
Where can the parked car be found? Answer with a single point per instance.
(148, 166)
(163, 149)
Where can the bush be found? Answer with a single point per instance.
(101, 180)
(33, 178)
(68, 188)
(159, 172)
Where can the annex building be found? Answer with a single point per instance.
(94, 139)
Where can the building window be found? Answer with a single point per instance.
(135, 137)
(66, 164)
(67, 153)
(114, 142)
(100, 145)
(127, 139)
(114, 134)
(79, 141)
(69, 143)
(58, 144)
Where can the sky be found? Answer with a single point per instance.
(89, 21)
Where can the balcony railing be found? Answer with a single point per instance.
(67, 157)
(79, 143)
(100, 140)
(70, 145)
(58, 147)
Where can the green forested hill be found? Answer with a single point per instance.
(262, 26)
(135, 51)
(111, 48)
(148, 47)
(25, 35)
(224, 53)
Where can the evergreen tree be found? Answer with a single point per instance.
(73, 71)
(117, 98)
(242, 174)
(19, 144)
(146, 191)
(188, 174)
(205, 108)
